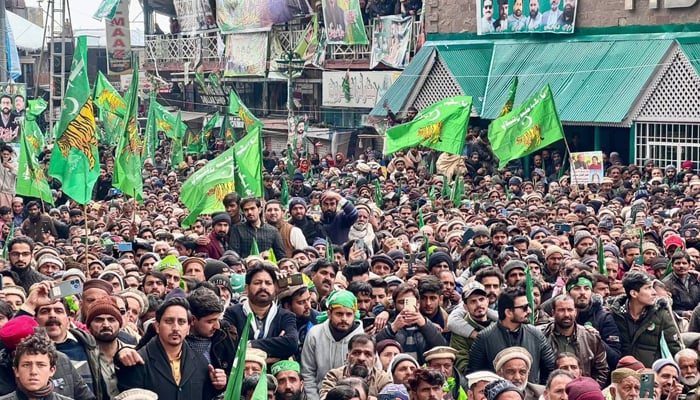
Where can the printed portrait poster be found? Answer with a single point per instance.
(12, 110)
(587, 167)
(194, 15)
(343, 22)
(525, 16)
(238, 16)
(390, 40)
(246, 54)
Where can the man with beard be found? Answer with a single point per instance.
(326, 344)
(517, 21)
(218, 238)
(37, 223)
(104, 320)
(501, 25)
(337, 223)
(551, 18)
(19, 251)
(442, 358)
(206, 336)
(274, 330)
(362, 229)
(9, 128)
(590, 312)
(323, 274)
(292, 236)
(565, 336)
(167, 365)
(312, 229)
(153, 284)
(254, 231)
(360, 362)
(534, 21)
(667, 373)
(513, 329)
(289, 383)
(298, 189)
(514, 364)
(297, 300)
(687, 360)
(626, 384)
(474, 314)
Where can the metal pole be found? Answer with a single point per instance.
(290, 55)
(3, 54)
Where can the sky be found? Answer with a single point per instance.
(81, 12)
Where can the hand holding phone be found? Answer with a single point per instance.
(66, 288)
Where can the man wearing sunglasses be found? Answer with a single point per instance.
(513, 329)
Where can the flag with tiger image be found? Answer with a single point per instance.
(127, 160)
(203, 192)
(75, 160)
(31, 180)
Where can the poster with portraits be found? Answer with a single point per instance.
(525, 16)
(586, 167)
(13, 100)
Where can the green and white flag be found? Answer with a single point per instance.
(31, 180)
(107, 9)
(531, 126)
(248, 157)
(203, 192)
(198, 143)
(442, 126)
(236, 107)
(177, 153)
(127, 161)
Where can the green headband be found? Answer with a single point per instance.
(580, 282)
(285, 365)
(339, 298)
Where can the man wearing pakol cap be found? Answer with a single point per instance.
(642, 319)
(625, 384)
(583, 388)
(442, 358)
(513, 329)
(477, 381)
(290, 386)
(361, 363)
(327, 344)
(514, 364)
(503, 390)
(254, 363)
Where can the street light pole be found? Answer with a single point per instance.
(290, 55)
(3, 54)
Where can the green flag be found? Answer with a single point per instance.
(75, 160)
(531, 126)
(127, 161)
(271, 256)
(442, 126)
(254, 250)
(330, 253)
(248, 166)
(290, 162)
(421, 220)
(9, 237)
(107, 98)
(284, 193)
(160, 120)
(602, 268)
(176, 152)
(529, 288)
(378, 198)
(508, 106)
(107, 9)
(226, 131)
(663, 346)
(198, 143)
(214, 80)
(235, 378)
(446, 192)
(236, 107)
(110, 127)
(204, 191)
(31, 180)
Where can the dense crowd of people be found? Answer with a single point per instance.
(416, 276)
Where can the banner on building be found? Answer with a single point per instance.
(525, 16)
(9, 132)
(119, 55)
(246, 54)
(587, 167)
(237, 16)
(343, 22)
(312, 44)
(391, 38)
(356, 89)
(194, 15)
(279, 70)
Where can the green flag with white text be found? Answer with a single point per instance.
(248, 157)
(236, 107)
(441, 126)
(31, 180)
(107, 9)
(203, 192)
(75, 160)
(529, 127)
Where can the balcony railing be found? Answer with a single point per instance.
(172, 52)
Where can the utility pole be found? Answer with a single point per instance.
(3, 54)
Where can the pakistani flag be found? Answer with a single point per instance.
(236, 107)
(248, 157)
(127, 161)
(531, 126)
(203, 192)
(75, 160)
(442, 126)
(31, 180)
(176, 151)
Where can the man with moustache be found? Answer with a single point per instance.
(534, 21)
(501, 24)
(476, 306)
(20, 251)
(206, 336)
(9, 128)
(292, 236)
(551, 18)
(687, 360)
(254, 230)
(104, 320)
(218, 237)
(290, 386)
(337, 223)
(312, 229)
(360, 362)
(274, 330)
(567, 17)
(297, 299)
(667, 374)
(517, 21)
(487, 17)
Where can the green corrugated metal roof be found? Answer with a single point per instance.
(592, 81)
(401, 89)
(691, 48)
(470, 66)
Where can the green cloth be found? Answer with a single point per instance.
(127, 161)
(441, 126)
(531, 126)
(235, 378)
(237, 108)
(31, 180)
(169, 262)
(285, 365)
(580, 282)
(75, 160)
(248, 164)
(340, 298)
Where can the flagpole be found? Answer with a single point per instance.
(87, 242)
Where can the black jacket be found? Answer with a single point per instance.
(684, 298)
(222, 351)
(310, 228)
(156, 374)
(496, 337)
(273, 344)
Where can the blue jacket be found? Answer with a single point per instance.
(338, 226)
